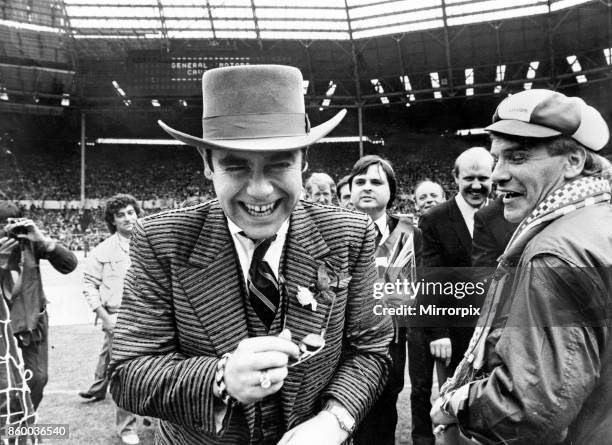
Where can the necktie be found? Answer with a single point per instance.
(263, 289)
(378, 236)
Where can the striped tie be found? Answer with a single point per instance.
(378, 237)
(264, 294)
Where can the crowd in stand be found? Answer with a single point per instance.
(156, 173)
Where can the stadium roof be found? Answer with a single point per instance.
(149, 55)
(261, 19)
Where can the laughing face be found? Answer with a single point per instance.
(525, 176)
(257, 190)
(474, 182)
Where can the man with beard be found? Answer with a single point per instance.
(447, 247)
(538, 369)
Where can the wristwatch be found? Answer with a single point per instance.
(344, 418)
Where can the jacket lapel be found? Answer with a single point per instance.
(459, 225)
(305, 250)
(213, 282)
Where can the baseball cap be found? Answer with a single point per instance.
(540, 113)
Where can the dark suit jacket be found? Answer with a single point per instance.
(183, 309)
(447, 249)
(492, 232)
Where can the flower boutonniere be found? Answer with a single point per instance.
(328, 282)
(305, 297)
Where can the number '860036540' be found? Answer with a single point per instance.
(49, 431)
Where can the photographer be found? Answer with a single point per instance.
(22, 246)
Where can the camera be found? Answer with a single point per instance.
(15, 231)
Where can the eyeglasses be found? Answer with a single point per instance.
(311, 344)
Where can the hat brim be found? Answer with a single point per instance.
(523, 129)
(284, 143)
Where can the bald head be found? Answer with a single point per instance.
(428, 194)
(472, 172)
(320, 188)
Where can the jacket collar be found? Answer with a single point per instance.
(209, 280)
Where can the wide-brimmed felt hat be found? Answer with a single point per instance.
(254, 108)
(540, 113)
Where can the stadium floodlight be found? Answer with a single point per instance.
(500, 74)
(65, 100)
(118, 88)
(331, 89)
(469, 80)
(406, 82)
(608, 55)
(407, 87)
(576, 68)
(155, 103)
(3, 94)
(435, 83)
(305, 84)
(531, 73)
(380, 90)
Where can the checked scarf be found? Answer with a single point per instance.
(579, 193)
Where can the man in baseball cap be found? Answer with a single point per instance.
(539, 366)
(249, 318)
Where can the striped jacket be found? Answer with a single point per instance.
(183, 309)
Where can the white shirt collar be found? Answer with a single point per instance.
(245, 248)
(467, 211)
(124, 243)
(381, 223)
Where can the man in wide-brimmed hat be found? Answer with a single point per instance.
(538, 369)
(248, 319)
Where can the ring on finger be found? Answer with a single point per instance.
(264, 379)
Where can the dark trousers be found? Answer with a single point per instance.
(35, 350)
(420, 369)
(378, 427)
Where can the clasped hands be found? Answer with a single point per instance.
(259, 358)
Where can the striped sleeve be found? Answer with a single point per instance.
(363, 368)
(149, 375)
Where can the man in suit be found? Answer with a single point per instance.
(428, 194)
(447, 248)
(249, 319)
(343, 193)
(398, 252)
(492, 232)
